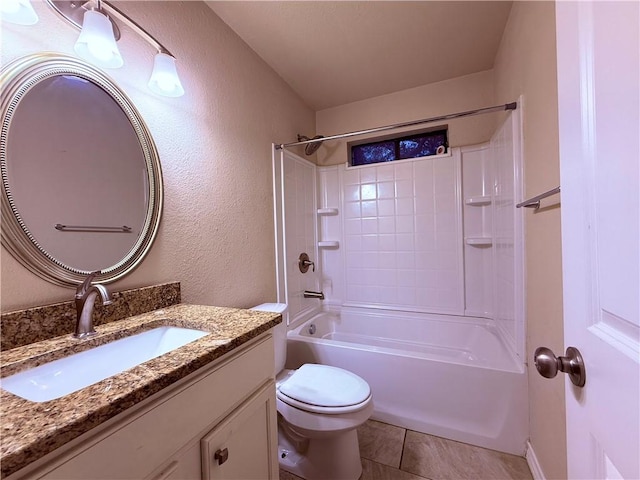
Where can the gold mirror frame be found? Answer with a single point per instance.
(15, 81)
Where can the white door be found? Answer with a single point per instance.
(598, 96)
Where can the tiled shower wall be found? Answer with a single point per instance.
(400, 226)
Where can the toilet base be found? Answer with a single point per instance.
(336, 457)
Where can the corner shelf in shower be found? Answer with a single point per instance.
(479, 241)
(478, 201)
(327, 211)
(329, 244)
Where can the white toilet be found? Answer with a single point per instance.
(319, 409)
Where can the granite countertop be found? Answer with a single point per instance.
(31, 430)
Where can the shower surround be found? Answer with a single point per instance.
(421, 265)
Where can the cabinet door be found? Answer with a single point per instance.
(244, 445)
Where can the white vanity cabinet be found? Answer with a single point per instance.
(218, 423)
(237, 448)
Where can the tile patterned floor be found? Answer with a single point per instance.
(393, 453)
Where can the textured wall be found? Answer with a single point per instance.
(216, 235)
(526, 63)
(436, 99)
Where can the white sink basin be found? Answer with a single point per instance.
(69, 374)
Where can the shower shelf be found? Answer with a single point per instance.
(478, 201)
(329, 244)
(327, 211)
(479, 241)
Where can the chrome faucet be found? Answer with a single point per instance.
(85, 299)
(310, 294)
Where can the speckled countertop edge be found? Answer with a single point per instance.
(31, 430)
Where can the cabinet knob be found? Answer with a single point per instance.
(221, 455)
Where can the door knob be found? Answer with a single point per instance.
(548, 364)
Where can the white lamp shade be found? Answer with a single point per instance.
(164, 78)
(96, 42)
(20, 12)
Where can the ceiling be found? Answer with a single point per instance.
(336, 52)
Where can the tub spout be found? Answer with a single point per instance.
(310, 294)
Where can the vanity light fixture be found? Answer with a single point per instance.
(98, 36)
(20, 12)
(97, 43)
(164, 78)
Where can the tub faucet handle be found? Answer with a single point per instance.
(304, 262)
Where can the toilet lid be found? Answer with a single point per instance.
(325, 386)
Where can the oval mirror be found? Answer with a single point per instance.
(81, 177)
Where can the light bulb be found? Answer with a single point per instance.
(100, 50)
(20, 12)
(9, 6)
(165, 82)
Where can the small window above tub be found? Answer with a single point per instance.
(401, 147)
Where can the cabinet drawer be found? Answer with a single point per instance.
(142, 442)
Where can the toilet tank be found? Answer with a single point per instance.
(279, 332)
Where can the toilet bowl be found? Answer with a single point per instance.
(319, 409)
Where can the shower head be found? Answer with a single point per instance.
(310, 148)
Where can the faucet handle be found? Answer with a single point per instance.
(84, 286)
(304, 263)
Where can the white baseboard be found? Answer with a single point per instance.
(534, 465)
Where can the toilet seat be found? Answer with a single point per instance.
(324, 389)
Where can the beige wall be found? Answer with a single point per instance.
(450, 96)
(216, 235)
(526, 64)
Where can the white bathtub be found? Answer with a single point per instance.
(438, 374)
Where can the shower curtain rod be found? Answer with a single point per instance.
(468, 113)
